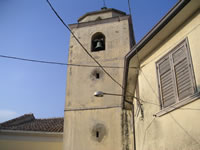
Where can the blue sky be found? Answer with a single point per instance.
(29, 29)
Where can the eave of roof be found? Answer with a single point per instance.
(31, 133)
(103, 21)
(28, 122)
(158, 27)
(150, 35)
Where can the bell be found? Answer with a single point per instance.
(99, 45)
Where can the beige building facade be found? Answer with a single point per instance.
(149, 101)
(23, 140)
(27, 132)
(95, 123)
(165, 83)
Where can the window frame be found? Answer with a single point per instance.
(192, 97)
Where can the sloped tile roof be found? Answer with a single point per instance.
(28, 122)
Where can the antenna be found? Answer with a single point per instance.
(129, 7)
(104, 5)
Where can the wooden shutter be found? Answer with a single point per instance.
(182, 69)
(167, 89)
(176, 76)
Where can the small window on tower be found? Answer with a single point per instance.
(98, 42)
(97, 75)
(97, 134)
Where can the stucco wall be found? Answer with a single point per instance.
(83, 111)
(12, 141)
(81, 81)
(82, 124)
(179, 129)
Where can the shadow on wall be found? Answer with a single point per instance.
(198, 88)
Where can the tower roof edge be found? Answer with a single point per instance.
(107, 10)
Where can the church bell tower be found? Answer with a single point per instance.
(96, 123)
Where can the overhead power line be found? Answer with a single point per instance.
(112, 78)
(145, 132)
(56, 63)
(83, 46)
(102, 67)
(99, 65)
(186, 132)
(129, 7)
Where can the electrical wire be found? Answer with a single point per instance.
(146, 131)
(129, 7)
(178, 124)
(158, 97)
(187, 108)
(149, 84)
(109, 74)
(55, 63)
(83, 46)
(130, 12)
(186, 132)
(78, 65)
(99, 65)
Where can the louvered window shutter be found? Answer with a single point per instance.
(182, 72)
(175, 73)
(167, 89)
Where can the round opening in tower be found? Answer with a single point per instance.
(98, 132)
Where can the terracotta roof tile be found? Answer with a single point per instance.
(28, 122)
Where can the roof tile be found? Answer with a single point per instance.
(28, 122)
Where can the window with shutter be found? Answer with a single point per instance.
(166, 82)
(175, 73)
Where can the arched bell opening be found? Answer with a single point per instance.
(98, 42)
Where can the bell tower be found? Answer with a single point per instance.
(96, 123)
